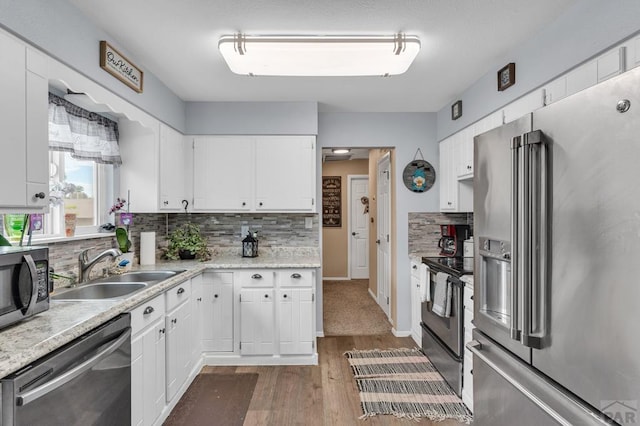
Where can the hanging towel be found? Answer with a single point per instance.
(442, 296)
(425, 287)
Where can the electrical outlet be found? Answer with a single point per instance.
(244, 230)
(308, 222)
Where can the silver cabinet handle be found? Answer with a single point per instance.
(148, 310)
(296, 276)
(256, 276)
(180, 290)
(40, 391)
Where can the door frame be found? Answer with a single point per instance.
(350, 209)
(386, 158)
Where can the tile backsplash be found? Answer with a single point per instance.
(221, 230)
(424, 230)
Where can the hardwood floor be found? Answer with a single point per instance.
(325, 394)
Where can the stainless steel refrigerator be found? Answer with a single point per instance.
(557, 264)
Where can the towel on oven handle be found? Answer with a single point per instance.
(442, 296)
(425, 283)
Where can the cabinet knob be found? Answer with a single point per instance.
(215, 296)
(471, 297)
(284, 295)
(166, 203)
(161, 331)
(415, 266)
(148, 310)
(174, 321)
(296, 275)
(199, 299)
(40, 195)
(449, 202)
(266, 296)
(180, 290)
(244, 203)
(256, 276)
(260, 203)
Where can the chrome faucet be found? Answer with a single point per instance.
(85, 265)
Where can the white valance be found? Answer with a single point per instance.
(86, 135)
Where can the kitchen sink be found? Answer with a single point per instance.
(103, 290)
(139, 276)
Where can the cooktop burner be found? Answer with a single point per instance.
(457, 266)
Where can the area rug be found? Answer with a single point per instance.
(404, 383)
(215, 399)
(349, 310)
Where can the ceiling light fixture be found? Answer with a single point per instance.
(278, 55)
(340, 151)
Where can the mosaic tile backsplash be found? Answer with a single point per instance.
(221, 230)
(424, 230)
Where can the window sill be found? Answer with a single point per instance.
(47, 240)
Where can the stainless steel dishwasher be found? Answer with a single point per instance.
(86, 382)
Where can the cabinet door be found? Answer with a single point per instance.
(13, 124)
(172, 170)
(416, 331)
(148, 374)
(296, 309)
(223, 173)
(217, 312)
(464, 160)
(257, 321)
(285, 173)
(197, 318)
(448, 179)
(178, 361)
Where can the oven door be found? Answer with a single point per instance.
(448, 330)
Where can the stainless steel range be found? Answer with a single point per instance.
(443, 334)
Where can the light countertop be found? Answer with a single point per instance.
(29, 340)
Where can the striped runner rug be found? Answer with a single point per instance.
(404, 383)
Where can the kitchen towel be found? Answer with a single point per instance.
(147, 248)
(425, 288)
(442, 296)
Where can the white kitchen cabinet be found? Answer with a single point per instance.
(223, 175)
(254, 173)
(524, 105)
(171, 169)
(257, 321)
(24, 121)
(147, 362)
(216, 315)
(196, 318)
(464, 153)
(416, 303)
(448, 179)
(296, 312)
(178, 328)
(285, 173)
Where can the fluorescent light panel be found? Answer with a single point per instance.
(319, 55)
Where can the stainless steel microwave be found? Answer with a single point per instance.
(24, 283)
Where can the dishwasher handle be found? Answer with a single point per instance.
(66, 377)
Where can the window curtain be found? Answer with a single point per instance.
(86, 135)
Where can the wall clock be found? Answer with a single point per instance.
(507, 76)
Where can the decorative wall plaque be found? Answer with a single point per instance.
(120, 67)
(332, 201)
(419, 175)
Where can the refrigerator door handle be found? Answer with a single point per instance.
(476, 348)
(514, 330)
(535, 246)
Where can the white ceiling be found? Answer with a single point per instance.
(461, 41)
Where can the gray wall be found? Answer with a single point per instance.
(586, 29)
(406, 132)
(251, 118)
(59, 29)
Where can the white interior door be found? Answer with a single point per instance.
(358, 227)
(383, 233)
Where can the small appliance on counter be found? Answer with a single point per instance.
(452, 239)
(24, 283)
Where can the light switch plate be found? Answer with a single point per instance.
(308, 222)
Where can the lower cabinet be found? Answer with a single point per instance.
(216, 312)
(147, 362)
(257, 327)
(178, 326)
(295, 321)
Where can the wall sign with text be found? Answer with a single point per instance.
(332, 201)
(120, 67)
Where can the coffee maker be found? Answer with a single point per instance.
(451, 242)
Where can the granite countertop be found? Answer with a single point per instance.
(29, 340)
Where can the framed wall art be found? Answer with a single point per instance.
(116, 64)
(332, 201)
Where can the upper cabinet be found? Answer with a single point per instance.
(153, 172)
(254, 173)
(23, 119)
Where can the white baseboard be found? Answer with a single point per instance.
(336, 279)
(401, 333)
(372, 295)
(232, 359)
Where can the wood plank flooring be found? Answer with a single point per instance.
(325, 394)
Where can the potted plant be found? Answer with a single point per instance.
(187, 243)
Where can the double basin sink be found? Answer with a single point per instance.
(116, 286)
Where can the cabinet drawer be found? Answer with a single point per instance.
(178, 294)
(256, 278)
(147, 313)
(295, 278)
